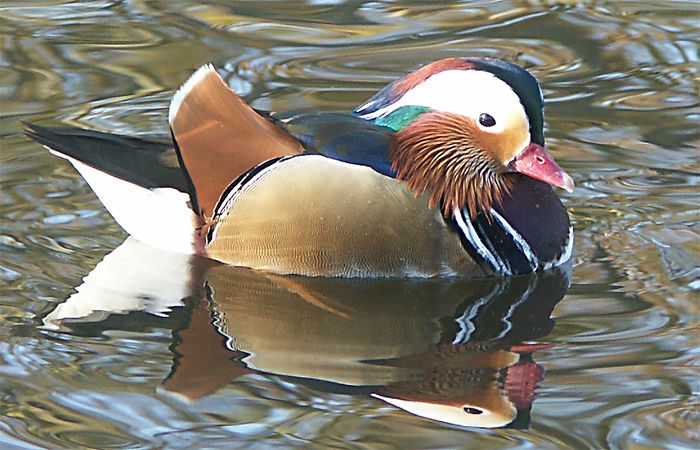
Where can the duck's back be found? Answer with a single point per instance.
(316, 216)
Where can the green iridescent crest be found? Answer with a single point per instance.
(399, 118)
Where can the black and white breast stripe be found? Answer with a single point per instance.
(500, 248)
(235, 187)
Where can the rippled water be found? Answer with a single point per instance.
(156, 351)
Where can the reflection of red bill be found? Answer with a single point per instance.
(521, 382)
(535, 162)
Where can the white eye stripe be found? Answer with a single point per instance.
(466, 92)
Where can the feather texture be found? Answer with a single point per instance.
(219, 137)
(440, 153)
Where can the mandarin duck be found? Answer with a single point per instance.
(442, 173)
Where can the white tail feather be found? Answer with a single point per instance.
(134, 277)
(159, 217)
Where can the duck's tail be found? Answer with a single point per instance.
(139, 182)
(162, 193)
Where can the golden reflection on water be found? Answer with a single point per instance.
(448, 350)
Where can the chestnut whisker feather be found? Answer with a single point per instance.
(438, 153)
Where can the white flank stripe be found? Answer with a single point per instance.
(159, 217)
(518, 239)
(186, 88)
(473, 238)
(224, 204)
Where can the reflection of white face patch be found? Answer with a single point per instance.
(456, 415)
(469, 93)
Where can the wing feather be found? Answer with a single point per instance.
(219, 137)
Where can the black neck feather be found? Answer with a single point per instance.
(533, 210)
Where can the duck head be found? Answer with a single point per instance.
(462, 126)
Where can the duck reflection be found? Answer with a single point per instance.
(453, 351)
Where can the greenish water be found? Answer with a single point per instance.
(135, 358)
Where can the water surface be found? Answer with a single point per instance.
(604, 354)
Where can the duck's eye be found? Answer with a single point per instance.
(487, 120)
(469, 409)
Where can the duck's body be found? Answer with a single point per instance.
(364, 195)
